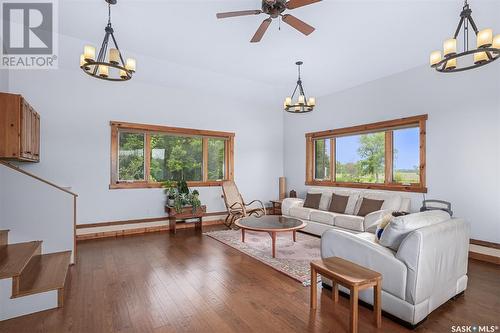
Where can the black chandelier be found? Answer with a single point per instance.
(115, 69)
(302, 105)
(487, 47)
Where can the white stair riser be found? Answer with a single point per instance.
(11, 308)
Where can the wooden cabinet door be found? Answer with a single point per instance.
(33, 133)
(25, 127)
(37, 137)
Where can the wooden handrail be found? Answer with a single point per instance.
(8, 165)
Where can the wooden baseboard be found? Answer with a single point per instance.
(484, 257)
(485, 244)
(138, 231)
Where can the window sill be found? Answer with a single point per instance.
(386, 187)
(139, 185)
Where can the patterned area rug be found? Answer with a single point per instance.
(292, 259)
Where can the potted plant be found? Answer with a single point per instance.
(179, 195)
(171, 191)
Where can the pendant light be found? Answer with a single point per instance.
(114, 68)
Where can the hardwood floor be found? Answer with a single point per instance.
(191, 283)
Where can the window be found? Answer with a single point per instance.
(406, 157)
(322, 155)
(360, 158)
(387, 155)
(131, 156)
(143, 156)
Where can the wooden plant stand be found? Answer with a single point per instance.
(186, 214)
(353, 277)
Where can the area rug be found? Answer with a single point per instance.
(292, 258)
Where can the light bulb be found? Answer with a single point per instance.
(496, 42)
(114, 56)
(83, 63)
(130, 64)
(450, 47)
(480, 57)
(103, 71)
(312, 101)
(435, 57)
(89, 52)
(302, 99)
(451, 64)
(485, 38)
(288, 101)
(123, 74)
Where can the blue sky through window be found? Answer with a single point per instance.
(406, 142)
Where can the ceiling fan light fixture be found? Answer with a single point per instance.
(487, 47)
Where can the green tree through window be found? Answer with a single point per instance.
(176, 157)
(216, 158)
(131, 156)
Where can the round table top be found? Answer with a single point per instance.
(270, 223)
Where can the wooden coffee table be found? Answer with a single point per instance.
(353, 277)
(271, 224)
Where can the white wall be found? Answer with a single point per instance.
(76, 109)
(4, 80)
(32, 210)
(463, 135)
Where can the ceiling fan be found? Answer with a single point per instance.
(275, 9)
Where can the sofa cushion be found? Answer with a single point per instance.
(300, 212)
(369, 206)
(401, 226)
(323, 217)
(353, 199)
(351, 222)
(392, 202)
(338, 203)
(312, 200)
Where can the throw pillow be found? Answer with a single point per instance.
(382, 224)
(369, 206)
(401, 226)
(312, 200)
(338, 203)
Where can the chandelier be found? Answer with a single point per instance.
(487, 47)
(302, 104)
(115, 68)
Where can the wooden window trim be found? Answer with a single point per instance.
(384, 126)
(116, 127)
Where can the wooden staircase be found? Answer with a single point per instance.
(31, 271)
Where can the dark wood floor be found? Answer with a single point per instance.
(192, 283)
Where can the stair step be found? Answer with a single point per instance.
(15, 257)
(4, 237)
(43, 273)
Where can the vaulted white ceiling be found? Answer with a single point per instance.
(355, 41)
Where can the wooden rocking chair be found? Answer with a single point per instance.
(236, 206)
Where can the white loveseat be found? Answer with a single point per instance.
(320, 220)
(427, 269)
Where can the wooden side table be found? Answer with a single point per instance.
(186, 214)
(276, 207)
(352, 276)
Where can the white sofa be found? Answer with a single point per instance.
(428, 268)
(321, 220)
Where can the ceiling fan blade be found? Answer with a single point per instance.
(261, 31)
(239, 13)
(292, 4)
(301, 26)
